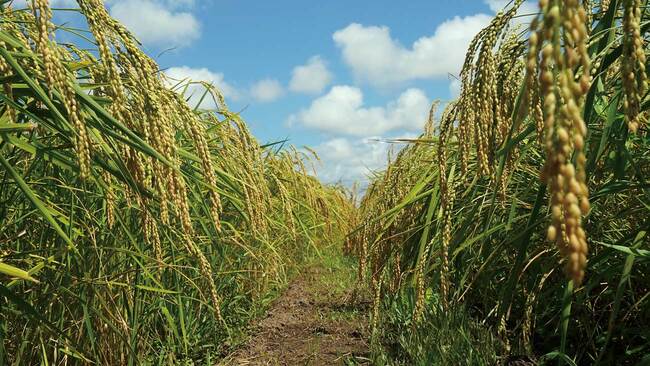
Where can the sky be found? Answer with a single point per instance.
(341, 77)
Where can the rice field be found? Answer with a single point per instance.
(136, 228)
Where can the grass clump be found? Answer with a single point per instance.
(442, 337)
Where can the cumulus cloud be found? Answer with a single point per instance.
(348, 160)
(267, 90)
(161, 23)
(174, 4)
(342, 111)
(454, 88)
(528, 7)
(196, 91)
(310, 78)
(381, 60)
(157, 23)
(374, 56)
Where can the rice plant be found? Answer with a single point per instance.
(526, 203)
(134, 227)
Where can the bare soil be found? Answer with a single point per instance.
(311, 323)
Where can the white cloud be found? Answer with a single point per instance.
(157, 23)
(342, 111)
(174, 4)
(162, 23)
(353, 160)
(454, 88)
(267, 90)
(528, 7)
(310, 78)
(196, 91)
(350, 160)
(377, 58)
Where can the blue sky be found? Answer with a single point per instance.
(333, 75)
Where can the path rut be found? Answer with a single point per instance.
(309, 325)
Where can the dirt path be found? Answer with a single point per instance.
(316, 321)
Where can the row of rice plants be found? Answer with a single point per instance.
(526, 204)
(134, 227)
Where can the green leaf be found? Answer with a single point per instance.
(31, 195)
(12, 271)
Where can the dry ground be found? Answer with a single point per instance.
(316, 321)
